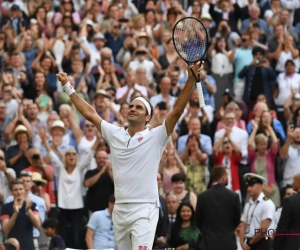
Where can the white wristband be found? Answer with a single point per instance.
(68, 88)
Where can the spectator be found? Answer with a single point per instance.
(208, 210)
(179, 190)
(184, 231)
(20, 216)
(99, 182)
(26, 178)
(100, 234)
(51, 229)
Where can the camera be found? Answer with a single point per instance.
(244, 40)
(259, 61)
(38, 183)
(35, 157)
(140, 53)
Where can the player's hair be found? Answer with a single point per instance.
(151, 108)
(217, 173)
(51, 223)
(178, 177)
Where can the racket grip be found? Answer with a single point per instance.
(200, 94)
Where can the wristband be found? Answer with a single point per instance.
(68, 89)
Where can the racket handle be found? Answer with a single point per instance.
(200, 94)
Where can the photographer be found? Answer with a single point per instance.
(142, 58)
(258, 78)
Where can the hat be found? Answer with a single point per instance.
(206, 16)
(33, 21)
(90, 22)
(143, 34)
(58, 124)
(111, 88)
(37, 177)
(253, 178)
(102, 92)
(15, 7)
(20, 129)
(99, 35)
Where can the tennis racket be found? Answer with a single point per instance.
(190, 39)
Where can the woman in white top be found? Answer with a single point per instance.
(288, 52)
(70, 200)
(222, 69)
(271, 15)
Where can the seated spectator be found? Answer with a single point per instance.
(197, 173)
(179, 190)
(260, 106)
(263, 160)
(50, 227)
(100, 233)
(184, 232)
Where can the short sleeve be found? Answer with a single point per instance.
(243, 218)
(160, 134)
(34, 208)
(92, 224)
(5, 212)
(11, 172)
(107, 130)
(268, 210)
(59, 242)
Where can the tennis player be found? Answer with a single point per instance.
(135, 157)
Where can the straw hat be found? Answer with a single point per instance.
(37, 177)
(20, 129)
(58, 124)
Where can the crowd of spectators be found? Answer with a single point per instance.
(55, 173)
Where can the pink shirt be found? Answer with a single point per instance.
(270, 163)
(121, 92)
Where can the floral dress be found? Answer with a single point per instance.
(195, 177)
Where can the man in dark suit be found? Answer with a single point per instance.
(163, 220)
(218, 213)
(289, 222)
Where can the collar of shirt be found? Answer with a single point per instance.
(260, 198)
(144, 132)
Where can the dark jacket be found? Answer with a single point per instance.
(289, 223)
(218, 214)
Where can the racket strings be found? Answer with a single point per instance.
(190, 39)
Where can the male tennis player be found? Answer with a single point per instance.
(135, 157)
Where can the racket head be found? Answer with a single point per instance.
(190, 38)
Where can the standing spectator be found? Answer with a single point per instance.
(100, 183)
(289, 221)
(172, 205)
(289, 153)
(100, 232)
(20, 216)
(15, 156)
(7, 175)
(69, 196)
(164, 96)
(5, 120)
(258, 214)
(218, 213)
(26, 177)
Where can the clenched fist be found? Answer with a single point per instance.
(62, 77)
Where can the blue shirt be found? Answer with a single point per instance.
(41, 205)
(101, 223)
(242, 57)
(205, 143)
(154, 100)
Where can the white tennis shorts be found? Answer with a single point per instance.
(135, 225)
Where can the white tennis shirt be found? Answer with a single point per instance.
(135, 161)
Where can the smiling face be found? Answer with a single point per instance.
(185, 213)
(137, 113)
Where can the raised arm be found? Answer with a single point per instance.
(183, 98)
(81, 105)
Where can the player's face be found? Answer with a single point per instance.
(18, 191)
(137, 113)
(186, 213)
